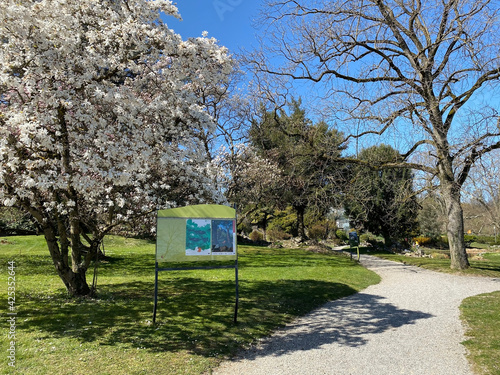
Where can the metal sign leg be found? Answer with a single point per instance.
(237, 291)
(156, 293)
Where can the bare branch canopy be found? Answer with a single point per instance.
(429, 69)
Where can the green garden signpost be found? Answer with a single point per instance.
(196, 234)
(354, 242)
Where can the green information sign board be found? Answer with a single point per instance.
(196, 233)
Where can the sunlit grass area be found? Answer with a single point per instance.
(114, 334)
(483, 333)
(488, 266)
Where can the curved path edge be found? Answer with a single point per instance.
(407, 324)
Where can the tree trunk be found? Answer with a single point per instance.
(455, 227)
(301, 229)
(264, 226)
(387, 240)
(75, 282)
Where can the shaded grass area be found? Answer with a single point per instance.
(483, 333)
(113, 333)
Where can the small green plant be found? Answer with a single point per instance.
(284, 221)
(256, 236)
(470, 238)
(423, 241)
(276, 234)
(341, 235)
(488, 240)
(318, 232)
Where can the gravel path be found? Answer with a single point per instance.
(407, 324)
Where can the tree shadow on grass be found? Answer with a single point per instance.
(486, 265)
(138, 264)
(193, 314)
(33, 264)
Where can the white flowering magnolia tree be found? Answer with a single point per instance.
(245, 177)
(100, 116)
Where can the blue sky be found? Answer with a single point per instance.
(229, 21)
(232, 23)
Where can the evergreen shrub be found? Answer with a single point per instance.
(318, 232)
(256, 236)
(341, 235)
(276, 234)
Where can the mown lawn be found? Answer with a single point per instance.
(481, 314)
(488, 267)
(113, 333)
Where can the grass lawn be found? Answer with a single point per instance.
(488, 267)
(480, 314)
(113, 333)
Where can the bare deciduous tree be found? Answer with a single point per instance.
(417, 68)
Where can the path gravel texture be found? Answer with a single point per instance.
(407, 324)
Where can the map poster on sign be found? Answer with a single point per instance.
(198, 237)
(224, 237)
(196, 233)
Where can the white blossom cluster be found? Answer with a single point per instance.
(100, 108)
(243, 175)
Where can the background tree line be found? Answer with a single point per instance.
(313, 177)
